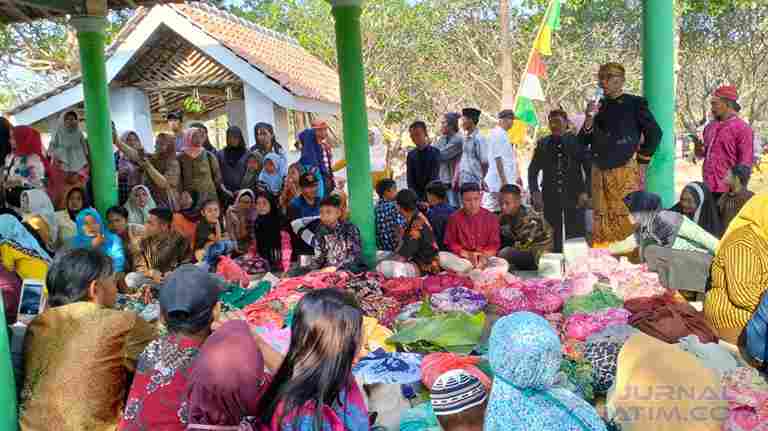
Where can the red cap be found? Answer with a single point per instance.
(727, 92)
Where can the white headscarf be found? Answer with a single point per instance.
(136, 214)
(39, 204)
(700, 193)
(68, 146)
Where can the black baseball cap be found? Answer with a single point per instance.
(189, 290)
(307, 180)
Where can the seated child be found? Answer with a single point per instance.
(733, 200)
(439, 211)
(459, 401)
(389, 221)
(337, 242)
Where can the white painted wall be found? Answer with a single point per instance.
(258, 108)
(130, 111)
(281, 126)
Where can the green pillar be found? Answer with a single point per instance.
(8, 419)
(659, 88)
(355, 117)
(90, 36)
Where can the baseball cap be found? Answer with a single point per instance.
(189, 290)
(307, 180)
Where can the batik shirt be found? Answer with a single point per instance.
(388, 222)
(157, 397)
(337, 246)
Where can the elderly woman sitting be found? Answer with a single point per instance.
(739, 271)
(673, 245)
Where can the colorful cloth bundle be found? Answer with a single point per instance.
(435, 364)
(747, 394)
(229, 270)
(509, 300)
(579, 326)
(438, 283)
(389, 368)
(599, 299)
(576, 376)
(459, 299)
(404, 289)
(603, 356)
(373, 302)
(376, 336)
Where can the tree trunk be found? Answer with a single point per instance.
(507, 70)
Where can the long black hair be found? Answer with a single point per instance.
(276, 147)
(326, 335)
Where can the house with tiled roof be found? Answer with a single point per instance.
(169, 55)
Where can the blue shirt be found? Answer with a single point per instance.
(300, 208)
(756, 331)
(388, 219)
(438, 216)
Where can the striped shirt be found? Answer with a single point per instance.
(739, 278)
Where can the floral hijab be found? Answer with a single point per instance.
(137, 214)
(525, 355)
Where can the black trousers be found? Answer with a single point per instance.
(570, 218)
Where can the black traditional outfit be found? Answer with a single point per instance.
(624, 129)
(566, 172)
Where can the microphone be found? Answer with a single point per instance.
(599, 93)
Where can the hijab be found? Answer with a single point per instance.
(28, 143)
(227, 378)
(273, 181)
(137, 214)
(13, 233)
(112, 246)
(525, 355)
(233, 154)
(68, 145)
(39, 204)
(640, 374)
(268, 231)
(5, 138)
(190, 147)
(73, 213)
(754, 215)
(654, 224)
(193, 212)
(706, 214)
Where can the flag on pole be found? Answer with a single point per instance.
(530, 85)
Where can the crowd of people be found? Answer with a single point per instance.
(91, 362)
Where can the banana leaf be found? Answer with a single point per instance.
(455, 332)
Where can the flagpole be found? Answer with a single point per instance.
(533, 49)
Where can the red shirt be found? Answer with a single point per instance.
(157, 398)
(477, 233)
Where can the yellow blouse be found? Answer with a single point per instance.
(739, 278)
(26, 266)
(77, 358)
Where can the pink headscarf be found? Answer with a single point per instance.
(227, 378)
(192, 147)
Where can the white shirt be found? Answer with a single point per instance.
(500, 147)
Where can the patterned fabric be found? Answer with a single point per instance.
(389, 222)
(389, 368)
(526, 231)
(77, 359)
(347, 413)
(338, 247)
(611, 216)
(603, 357)
(525, 355)
(739, 278)
(156, 400)
(459, 299)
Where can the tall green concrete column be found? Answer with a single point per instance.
(355, 117)
(659, 88)
(90, 35)
(8, 419)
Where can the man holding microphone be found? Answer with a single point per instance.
(622, 135)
